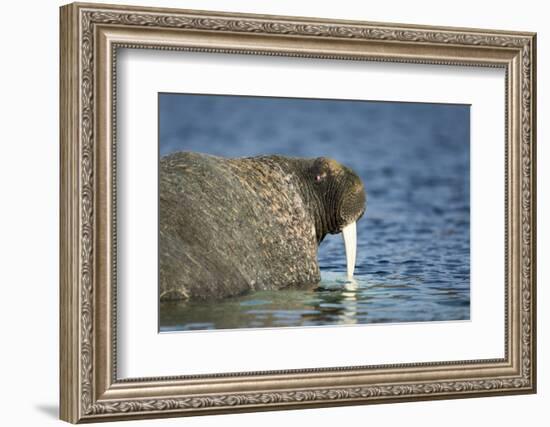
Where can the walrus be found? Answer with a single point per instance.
(234, 225)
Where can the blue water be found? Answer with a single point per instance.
(413, 254)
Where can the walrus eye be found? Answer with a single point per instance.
(320, 177)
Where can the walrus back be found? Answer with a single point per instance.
(228, 226)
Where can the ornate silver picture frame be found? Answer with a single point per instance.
(91, 37)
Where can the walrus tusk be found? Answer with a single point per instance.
(349, 233)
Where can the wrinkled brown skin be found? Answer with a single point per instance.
(230, 226)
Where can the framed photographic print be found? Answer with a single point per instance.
(266, 212)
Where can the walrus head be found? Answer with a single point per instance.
(340, 202)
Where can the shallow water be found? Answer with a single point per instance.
(413, 254)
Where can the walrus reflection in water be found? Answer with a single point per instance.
(229, 226)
